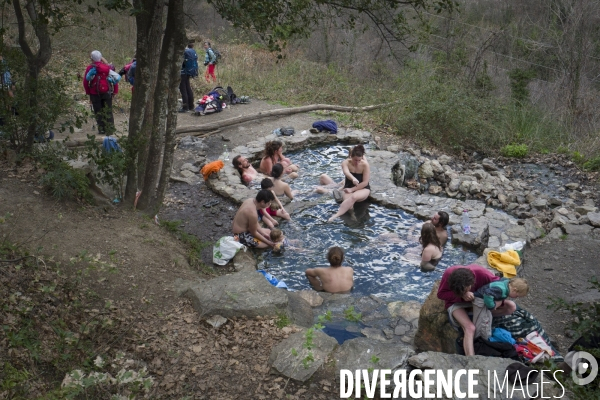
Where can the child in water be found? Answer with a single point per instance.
(279, 239)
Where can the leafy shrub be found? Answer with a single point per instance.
(111, 166)
(592, 164)
(577, 157)
(515, 150)
(65, 182)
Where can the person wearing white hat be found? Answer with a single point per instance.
(101, 90)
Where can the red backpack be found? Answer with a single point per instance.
(100, 80)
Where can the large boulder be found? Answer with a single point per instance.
(245, 293)
(300, 310)
(244, 261)
(435, 332)
(287, 358)
(487, 367)
(363, 353)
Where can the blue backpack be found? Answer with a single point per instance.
(131, 72)
(190, 63)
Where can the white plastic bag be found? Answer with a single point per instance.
(516, 246)
(225, 249)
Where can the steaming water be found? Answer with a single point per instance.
(381, 244)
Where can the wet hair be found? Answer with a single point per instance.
(335, 256)
(519, 285)
(357, 151)
(429, 236)
(272, 147)
(266, 183)
(444, 218)
(460, 279)
(277, 171)
(264, 196)
(276, 235)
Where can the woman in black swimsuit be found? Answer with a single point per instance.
(356, 183)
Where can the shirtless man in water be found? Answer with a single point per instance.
(440, 221)
(246, 170)
(245, 223)
(333, 279)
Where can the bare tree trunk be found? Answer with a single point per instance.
(168, 70)
(175, 25)
(35, 62)
(149, 36)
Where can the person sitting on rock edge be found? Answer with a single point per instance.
(456, 289)
(245, 223)
(333, 279)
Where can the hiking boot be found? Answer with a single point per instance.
(183, 110)
(338, 196)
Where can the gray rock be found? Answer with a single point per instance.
(454, 185)
(187, 174)
(489, 165)
(512, 206)
(555, 201)
(562, 211)
(244, 261)
(594, 218)
(373, 333)
(311, 297)
(534, 229)
(502, 199)
(283, 361)
(407, 310)
(394, 148)
(583, 210)
(464, 187)
(364, 353)
(189, 167)
(411, 165)
(437, 167)
(480, 174)
(444, 159)
(299, 310)
(426, 170)
(474, 188)
(555, 233)
(477, 239)
(572, 229)
(572, 185)
(434, 330)
(245, 293)
(401, 329)
(540, 204)
(216, 321)
(435, 189)
(485, 365)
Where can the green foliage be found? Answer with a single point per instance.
(592, 164)
(111, 166)
(351, 315)
(563, 236)
(577, 157)
(65, 182)
(519, 79)
(282, 320)
(12, 381)
(514, 150)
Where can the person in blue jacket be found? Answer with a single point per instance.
(189, 69)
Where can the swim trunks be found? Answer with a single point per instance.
(247, 239)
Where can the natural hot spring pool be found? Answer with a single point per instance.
(381, 244)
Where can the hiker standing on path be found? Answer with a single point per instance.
(189, 69)
(210, 60)
(98, 85)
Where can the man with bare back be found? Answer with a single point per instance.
(245, 223)
(332, 279)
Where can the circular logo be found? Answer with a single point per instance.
(583, 363)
